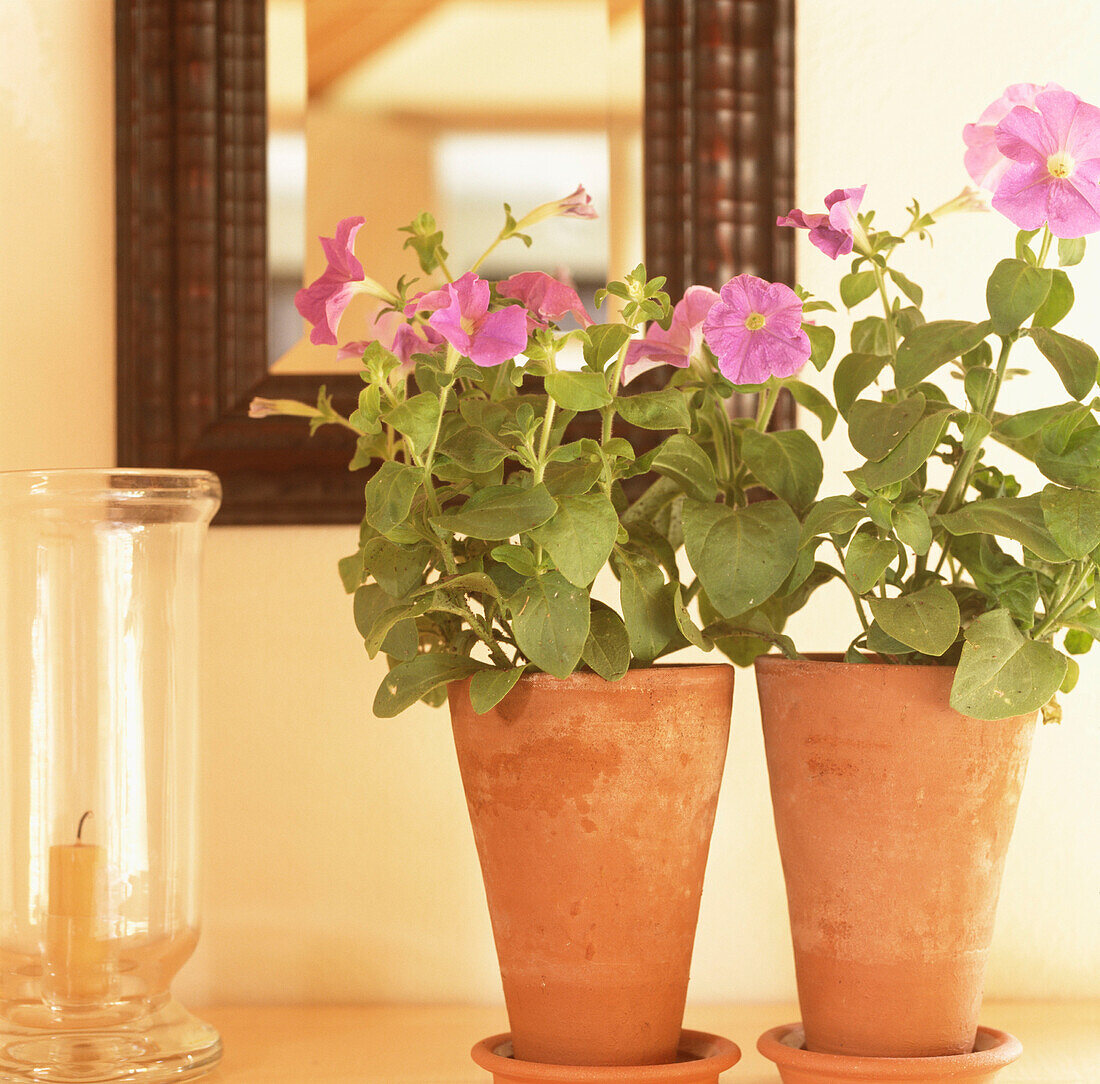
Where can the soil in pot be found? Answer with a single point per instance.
(893, 814)
(592, 805)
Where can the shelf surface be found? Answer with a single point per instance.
(405, 1044)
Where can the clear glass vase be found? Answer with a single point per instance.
(99, 592)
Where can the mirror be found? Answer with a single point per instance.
(379, 115)
(192, 198)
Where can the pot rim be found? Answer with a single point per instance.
(713, 1054)
(583, 679)
(997, 1049)
(834, 660)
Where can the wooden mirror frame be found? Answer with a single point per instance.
(191, 233)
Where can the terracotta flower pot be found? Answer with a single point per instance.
(893, 814)
(592, 806)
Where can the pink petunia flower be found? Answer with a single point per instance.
(834, 231)
(544, 297)
(1054, 175)
(577, 204)
(755, 331)
(460, 314)
(323, 302)
(983, 159)
(680, 343)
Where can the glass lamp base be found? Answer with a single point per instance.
(167, 1045)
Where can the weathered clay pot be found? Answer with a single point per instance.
(893, 814)
(592, 806)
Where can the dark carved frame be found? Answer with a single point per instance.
(191, 122)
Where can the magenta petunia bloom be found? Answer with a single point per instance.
(755, 331)
(1054, 175)
(460, 314)
(410, 340)
(323, 302)
(833, 232)
(983, 159)
(545, 298)
(680, 343)
(577, 204)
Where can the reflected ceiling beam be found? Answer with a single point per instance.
(341, 34)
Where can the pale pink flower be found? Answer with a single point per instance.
(755, 331)
(834, 231)
(1054, 175)
(679, 344)
(544, 297)
(577, 204)
(323, 302)
(983, 159)
(460, 314)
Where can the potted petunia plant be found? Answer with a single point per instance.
(896, 764)
(494, 499)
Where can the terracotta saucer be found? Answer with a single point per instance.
(702, 1057)
(993, 1050)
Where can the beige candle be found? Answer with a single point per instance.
(75, 957)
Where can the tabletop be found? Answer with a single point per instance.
(406, 1044)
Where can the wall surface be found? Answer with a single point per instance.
(339, 864)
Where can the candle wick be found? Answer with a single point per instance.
(80, 825)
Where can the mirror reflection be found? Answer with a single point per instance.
(394, 107)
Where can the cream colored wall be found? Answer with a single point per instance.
(339, 863)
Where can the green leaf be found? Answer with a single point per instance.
(1058, 303)
(976, 384)
(875, 429)
(395, 567)
(822, 340)
(1014, 291)
(683, 461)
(907, 287)
(665, 409)
(975, 429)
(578, 391)
(908, 457)
(1071, 251)
(854, 373)
(411, 681)
(912, 526)
(550, 622)
(786, 462)
(1001, 673)
(1077, 641)
(577, 476)
(489, 687)
(832, 515)
(869, 336)
(607, 649)
(474, 449)
(647, 607)
(688, 629)
(926, 621)
(931, 345)
(866, 559)
(517, 558)
(352, 572)
(1073, 518)
(389, 495)
(1075, 362)
(809, 398)
(1018, 518)
(579, 537)
(1077, 465)
(402, 642)
(601, 342)
(857, 287)
(499, 512)
(416, 419)
(376, 613)
(741, 556)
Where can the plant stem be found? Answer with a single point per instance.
(1044, 248)
(851, 590)
(891, 331)
(955, 492)
(544, 439)
(767, 404)
(612, 387)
